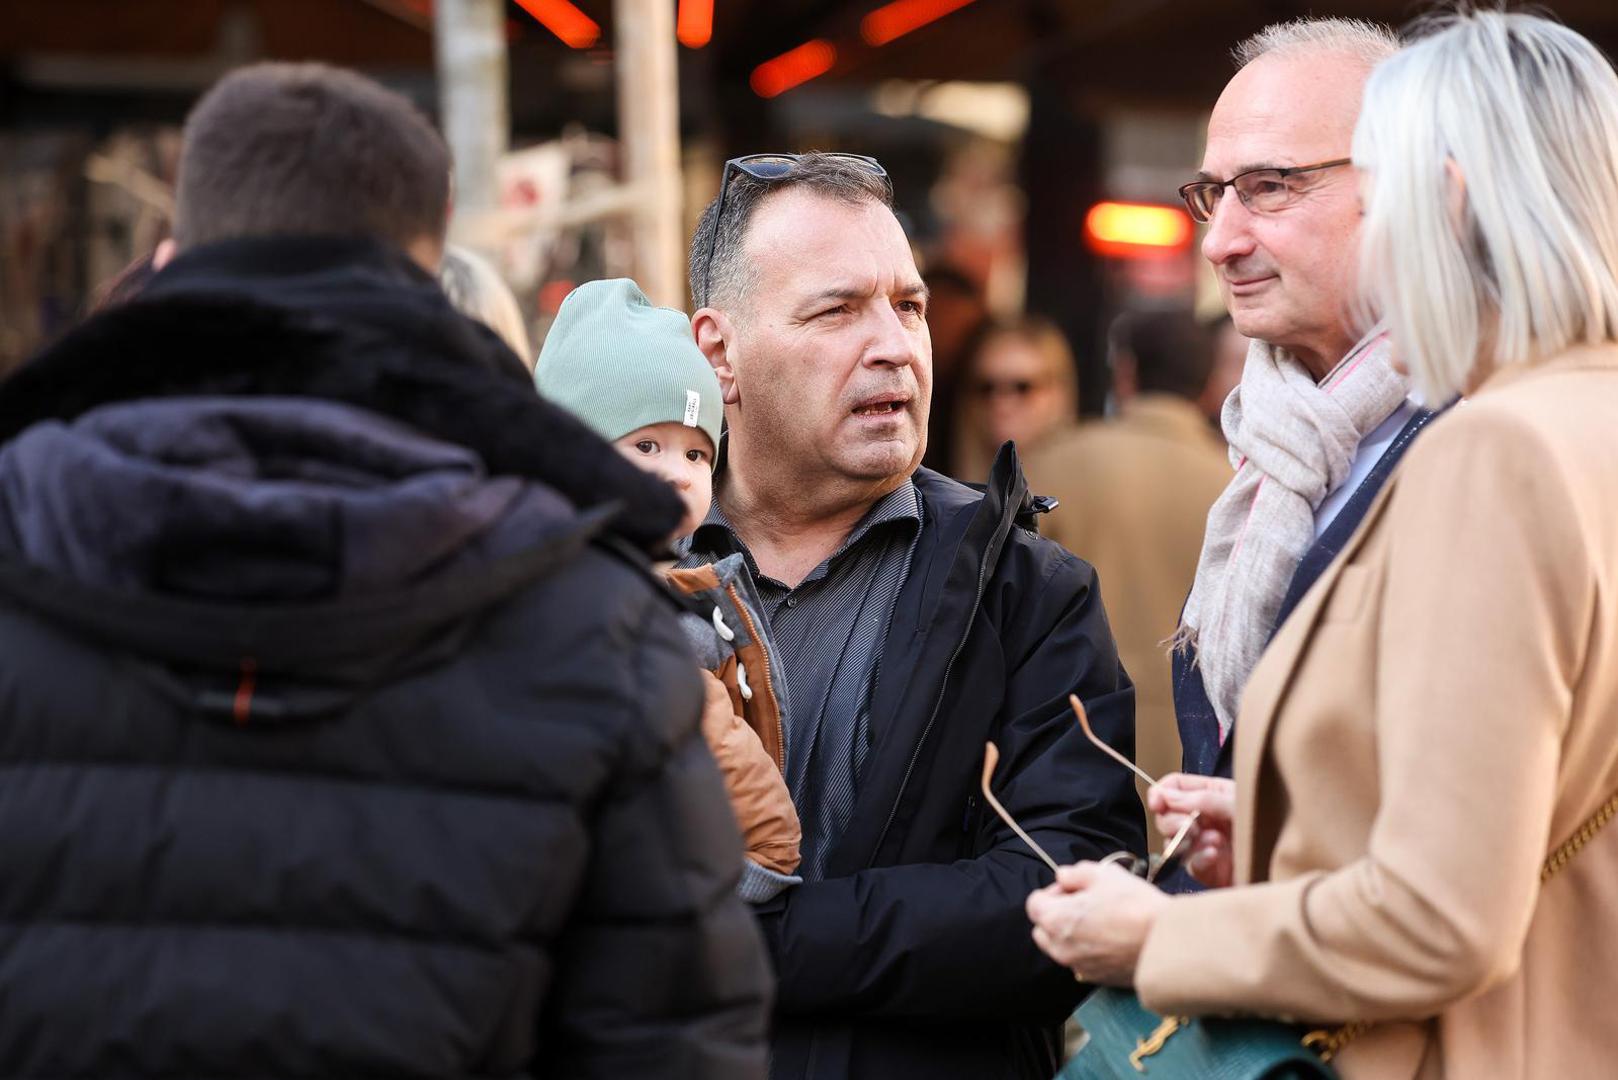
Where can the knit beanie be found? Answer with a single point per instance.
(620, 364)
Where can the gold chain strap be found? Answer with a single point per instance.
(1328, 1041)
(1564, 852)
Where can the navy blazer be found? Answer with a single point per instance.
(1194, 712)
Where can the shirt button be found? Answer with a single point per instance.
(792, 601)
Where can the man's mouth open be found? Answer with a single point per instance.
(880, 408)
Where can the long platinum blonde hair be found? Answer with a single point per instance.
(1489, 158)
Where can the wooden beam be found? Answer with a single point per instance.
(649, 131)
(474, 112)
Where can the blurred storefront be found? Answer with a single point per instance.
(1004, 123)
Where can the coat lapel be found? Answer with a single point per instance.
(1267, 689)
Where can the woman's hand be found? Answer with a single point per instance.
(1211, 859)
(1094, 920)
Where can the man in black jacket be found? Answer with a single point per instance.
(341, 730)
(917, 619)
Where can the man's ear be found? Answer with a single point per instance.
(712, 330)
(163, 254)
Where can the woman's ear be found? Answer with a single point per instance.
(712, 330)
(1457, 195)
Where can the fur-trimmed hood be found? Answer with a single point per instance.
(342, 321)
(293, 458)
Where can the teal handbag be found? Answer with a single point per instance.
(1127, 1041)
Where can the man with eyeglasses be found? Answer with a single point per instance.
(1321, 414)
(917, 620)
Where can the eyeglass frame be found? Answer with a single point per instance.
(1282, 171)
(740, 165)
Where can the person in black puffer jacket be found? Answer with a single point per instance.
(343, 730)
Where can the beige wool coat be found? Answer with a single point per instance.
(1439, 713)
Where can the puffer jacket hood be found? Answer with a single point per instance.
(290, 472)
(343, 321)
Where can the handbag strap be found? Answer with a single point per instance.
(1328, 1041)
(1563, 853)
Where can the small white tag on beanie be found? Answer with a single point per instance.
(693, 405)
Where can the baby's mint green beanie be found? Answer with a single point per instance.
(619, 363)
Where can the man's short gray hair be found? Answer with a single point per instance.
(1367, 41)
(726, 276)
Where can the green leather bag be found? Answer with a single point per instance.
(1127, 1041)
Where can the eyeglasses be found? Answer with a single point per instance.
(766, 168)
(1150, 869)
(1260, 190)
(1017, 388)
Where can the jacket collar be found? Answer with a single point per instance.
(1172, 415)
(1577, 358)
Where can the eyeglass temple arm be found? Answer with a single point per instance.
(991, 758)
(1084, 722)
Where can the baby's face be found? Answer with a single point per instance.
(681, 455)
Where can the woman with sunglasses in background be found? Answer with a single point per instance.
(1417, 836)
(1019, 385)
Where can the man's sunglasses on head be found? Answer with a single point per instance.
(767, 168)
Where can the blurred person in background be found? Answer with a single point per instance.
(1133, 493)
(478, 291)
(1321, 415)
(916, 619)
(1230, 356)
(1419, 836)
(956, 316)
(1020, 385)
(343, 735)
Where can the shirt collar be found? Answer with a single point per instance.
(716, 534)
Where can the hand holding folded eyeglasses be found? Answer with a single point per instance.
(1094, 920)
(1212, 799)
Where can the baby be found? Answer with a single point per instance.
(633, 373)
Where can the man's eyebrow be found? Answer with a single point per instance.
(839, 292)
(1203, 174)
(911, 290)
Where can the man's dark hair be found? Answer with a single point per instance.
(729, 275)
(306, 149)
(1174, 353)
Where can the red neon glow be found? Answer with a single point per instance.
(793, 68)
(897, 19)
(694, 24)
(576, 29)
(1134, 229)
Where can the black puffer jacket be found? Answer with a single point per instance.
(331, 743)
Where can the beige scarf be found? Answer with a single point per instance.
(1292, 443)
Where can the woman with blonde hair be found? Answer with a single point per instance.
(478, 291)
(1416, 841)
(1019, 386)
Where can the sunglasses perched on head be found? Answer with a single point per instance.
(1261, 190)
(766, 168)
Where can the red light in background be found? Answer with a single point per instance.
(1132, 230)
(694, 24)
(576, 29)
(897, 19)
(793, 68)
